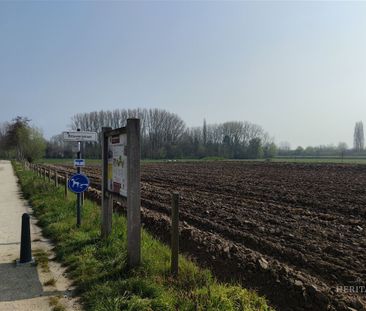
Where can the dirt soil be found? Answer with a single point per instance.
(294, 232)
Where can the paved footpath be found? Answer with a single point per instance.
(22, 287)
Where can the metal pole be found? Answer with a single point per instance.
(106, 207)
(133, 193)
(175, 233)
(82, 152)
(78, 195)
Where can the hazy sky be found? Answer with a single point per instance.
(296, 68)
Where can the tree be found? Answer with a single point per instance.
(164, 134)
(269, 150)
(342, 147)
(161, 130)
(204, 132)
(23, 141)
(284, 148)
(16, 136)
(255, 150)
(358, 137)
(35, 145)
(299, 151)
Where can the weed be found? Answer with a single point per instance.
(50, 282)
(42, 259)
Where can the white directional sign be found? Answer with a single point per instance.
(79, 162)
(80, 136)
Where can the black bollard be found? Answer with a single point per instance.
(25, 245)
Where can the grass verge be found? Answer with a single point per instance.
(98, 267)
(55, 304)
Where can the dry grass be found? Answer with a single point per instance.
(55, 304)
(50, 282)
(41, 257)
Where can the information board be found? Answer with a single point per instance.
(117, 164)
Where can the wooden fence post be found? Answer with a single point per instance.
(106, 206)
(133, 193)
(56, 178)
(175, 233)
(66, 190)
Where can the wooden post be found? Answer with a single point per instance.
(56, 179)
(66, 190)
(175, 233)
(133, 193)
(49, 175)
(106, 206)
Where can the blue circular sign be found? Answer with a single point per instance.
(78, 183)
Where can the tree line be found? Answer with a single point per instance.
(339, 150)
(164, 135)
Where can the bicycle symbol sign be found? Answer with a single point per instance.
(78, 183)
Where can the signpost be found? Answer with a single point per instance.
(80, 136)
(79, 163)
(79, 183)
(121, 179)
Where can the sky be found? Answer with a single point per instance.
(298, 69)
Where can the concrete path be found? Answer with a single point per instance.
(22, 287)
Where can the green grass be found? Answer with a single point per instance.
(68, 161)
(41, 259)
(346, 160)
(213, 159)
(98, 267)
(99, 161)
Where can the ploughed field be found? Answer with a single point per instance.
(302, 224)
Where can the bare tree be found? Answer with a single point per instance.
(204, 132)
(358, 137)
(160, 129)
